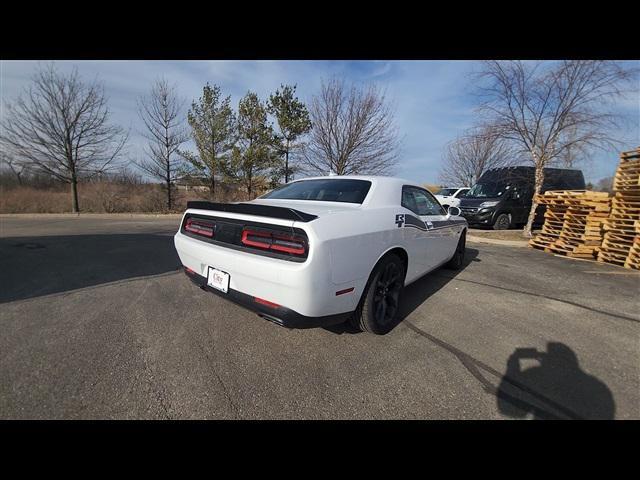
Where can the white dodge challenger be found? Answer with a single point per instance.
(321, 251)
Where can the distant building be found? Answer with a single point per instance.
(192, 183)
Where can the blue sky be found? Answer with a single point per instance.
(433, 99)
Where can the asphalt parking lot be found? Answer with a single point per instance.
(98, 322)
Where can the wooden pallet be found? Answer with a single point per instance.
(573, 223)
(633, 259)
(628, 174)
(620, 242)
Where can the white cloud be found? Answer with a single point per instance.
(432, 98)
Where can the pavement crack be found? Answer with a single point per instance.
(157, 390)
(474, 367)
(548, 297)
(213, 362)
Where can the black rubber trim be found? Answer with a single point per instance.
(282, 316)
(254, 209)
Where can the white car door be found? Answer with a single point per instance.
(429, 230)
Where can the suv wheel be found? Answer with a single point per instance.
(503, 222)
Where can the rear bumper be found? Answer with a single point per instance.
(282, 316)
(304, 287)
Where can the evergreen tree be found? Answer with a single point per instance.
(254, 154)
(213, 128)
(293, 121)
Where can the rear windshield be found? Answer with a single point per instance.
(329, 190)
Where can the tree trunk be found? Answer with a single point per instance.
(168, 194)
(286, 166)
(74, 194)
(212, 170)
(539, 179)
(286, 163)
(168, 180)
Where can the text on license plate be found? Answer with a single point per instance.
(218, 279)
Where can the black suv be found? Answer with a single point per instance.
(502, 197)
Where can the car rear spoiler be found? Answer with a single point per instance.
(254, 209)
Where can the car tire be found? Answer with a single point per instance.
(457, 261)
(379, 305)
(503, 222)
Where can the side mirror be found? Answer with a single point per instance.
(454, 211)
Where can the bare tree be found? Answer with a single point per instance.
(17, 166)
(470, 155)
(59, 126)
(353, 131)
(605, 185)
(549, 108)
(162, 114)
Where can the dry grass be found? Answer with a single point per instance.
(432, 188)
(500, 234)
(103, 197)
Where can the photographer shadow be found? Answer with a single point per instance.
(557, 388)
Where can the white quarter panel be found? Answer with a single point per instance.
(357, 240)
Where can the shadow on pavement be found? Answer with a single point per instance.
(554, 389)
(417, 293)
(35, 266)
(555, 384)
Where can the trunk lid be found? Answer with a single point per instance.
(317, 208)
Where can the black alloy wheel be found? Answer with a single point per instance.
(387, 293)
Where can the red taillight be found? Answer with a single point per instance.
(289, 244)
(266, 302)
(199, 227)
(256, 239)
(280, 242)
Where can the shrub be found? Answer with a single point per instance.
(105, 197)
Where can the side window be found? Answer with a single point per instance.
(462, 193)
(420, 201)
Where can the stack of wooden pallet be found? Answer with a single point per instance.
(581, 234)
(553, 219)
(633, 260)
(621, 238)
(573, 222)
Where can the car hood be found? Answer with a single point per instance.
(310, 206)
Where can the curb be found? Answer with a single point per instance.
(505, 243)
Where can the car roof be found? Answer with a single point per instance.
(371, 178)
(384, 190)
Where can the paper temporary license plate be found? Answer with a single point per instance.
(218, 279)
